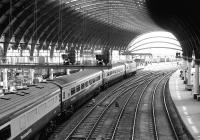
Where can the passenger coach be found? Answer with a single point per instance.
(33, 111)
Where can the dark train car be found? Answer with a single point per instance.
(78, 88)
(25, 112)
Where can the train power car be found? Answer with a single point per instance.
(113, 75)
(30, 112)
(130, 68)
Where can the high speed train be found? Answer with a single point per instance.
(32, 112)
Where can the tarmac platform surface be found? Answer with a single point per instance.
(187, 106)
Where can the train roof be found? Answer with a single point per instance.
(16, 101)
(62, 81)
(118, 64)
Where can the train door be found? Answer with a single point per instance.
(5, 132)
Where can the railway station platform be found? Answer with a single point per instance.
(188, 108)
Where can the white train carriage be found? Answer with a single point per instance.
(79, 87)
(113, 75)
(24, 113)
(131, 68)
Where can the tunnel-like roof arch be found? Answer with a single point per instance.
(86, 24)
(36, 24)
(181, 18)
(154, 40)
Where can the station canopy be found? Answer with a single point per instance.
(94, 24)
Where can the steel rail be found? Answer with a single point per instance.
(89, 112)
(121, 112)
(167, 112)
(119, 95)
(137, 107)
(153, 106)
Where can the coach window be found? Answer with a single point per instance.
(86, 83)
(90, 81)
(82, 86)
(5, 133)
(78, 88)
(73, 90)
(93, 80)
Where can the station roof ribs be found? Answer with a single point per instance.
(86, 24)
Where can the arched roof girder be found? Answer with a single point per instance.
(180, 17)
(23, 14)
(157, 47)
(42, 23)
(68, 22)
(26, 34)
(55, 29)
(140, 41)
(28, 21)
(55, 20)
(6, 12)
(188, 52)
(106, 17)
(129, 6)
(137, 48)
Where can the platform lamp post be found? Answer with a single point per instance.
(51, 60)
(1, 56)
(9, 60)
(31, 60)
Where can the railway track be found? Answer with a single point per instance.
(169, 125)
(149, 116)
(163, 126)
(136, 109)
(89, 126)
(106, 94)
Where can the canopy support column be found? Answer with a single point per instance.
(184, 70)
(5, 80)
(51, 70)
(196, 79)
(189, 85)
